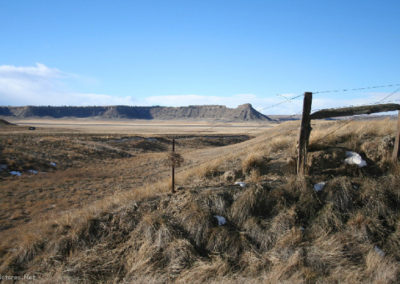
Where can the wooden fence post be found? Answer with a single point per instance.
(174, 160)
(304, 135)
(173, 168)
(396, 149)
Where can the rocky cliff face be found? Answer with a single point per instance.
(205, 112)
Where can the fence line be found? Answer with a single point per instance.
(352, 120)
(356, 89)
(287, 100)
(388, 96)
(305, 128)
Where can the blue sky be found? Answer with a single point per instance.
(197, 52)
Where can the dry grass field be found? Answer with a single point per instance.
(99, 208)
(143, 127)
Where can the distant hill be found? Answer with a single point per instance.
(5, 123)
(203, 112)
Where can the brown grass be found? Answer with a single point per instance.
(278, 230)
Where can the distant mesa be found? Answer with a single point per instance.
(243, 112)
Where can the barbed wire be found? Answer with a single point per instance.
(396, 91)
(344, 124)
(356, 89)
(297, 96)
(287, 100)
(352, 119)
(389, 95)
(282, 102)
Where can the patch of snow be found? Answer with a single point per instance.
(354, 158)
(379, 251)
(319, 186)
(3, 167)
(33, 172)
(53, 164)
(221, 220)
(240, 183)
(15, 173)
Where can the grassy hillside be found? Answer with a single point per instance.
(4, 122)
(278, 227)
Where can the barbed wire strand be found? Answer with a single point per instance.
(352, 119)
(389, 95)
(357, 89)
(344, 124)
(286, 100)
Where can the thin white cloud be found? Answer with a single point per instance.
(85, 99)
(40, 70)
(42, 85)
(185, 100)
(268, 105)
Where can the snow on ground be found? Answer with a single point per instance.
(319, 186)
(354, 158)
(379, 251)
(221, 220)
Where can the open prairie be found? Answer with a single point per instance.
(144, 126)
(91, 202)
(68, 164)
(158, 142)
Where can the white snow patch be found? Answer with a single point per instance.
(240, 183)
(53, 164)
(379, 251)
(15, 173)
(33, 172)
(221, 220)
(354, 158)
(319, 186)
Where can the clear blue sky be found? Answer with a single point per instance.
(194, 52)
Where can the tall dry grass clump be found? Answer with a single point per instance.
(272, 233)
(274, 228)
(254, 161)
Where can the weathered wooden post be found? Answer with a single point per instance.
(174, 160)
(173, 168)
(305, 130)
(396, 149)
